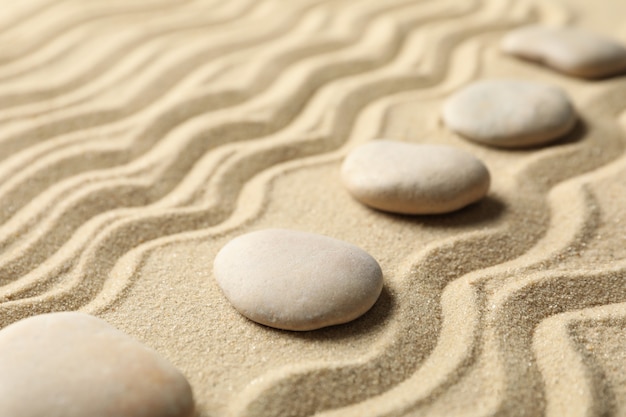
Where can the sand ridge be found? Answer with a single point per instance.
(138, 138)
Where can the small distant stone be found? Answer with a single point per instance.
(569, 50)
(407, 178)
(296, 280)
(510, 113)
(76, 365)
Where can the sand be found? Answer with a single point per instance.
(137, 138)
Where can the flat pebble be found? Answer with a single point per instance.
(569, 50)
(76, 365)
(407, 178)
(296, 280)
(510, 113)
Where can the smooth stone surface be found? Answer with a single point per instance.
(296, 280)
(572, 51)
(510, 113)
(76, 365)
(409, 178)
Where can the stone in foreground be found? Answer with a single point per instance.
(510, 113)
(76, 365)
(407, 178)
(572, 51)
(296, 280)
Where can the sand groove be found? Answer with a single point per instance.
(131, 133)
(176, 170)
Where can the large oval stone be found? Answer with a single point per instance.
(76, 365)
(414, 179)
(573, 51)
(510, 113)
(295, 280)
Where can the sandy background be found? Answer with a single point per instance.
(138, 137)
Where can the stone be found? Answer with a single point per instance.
(572, 51)
(510, 113)
(296, 280)
(407, 178)
(76, 365)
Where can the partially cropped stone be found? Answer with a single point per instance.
(572, 51)
(296, 280)
(76, 365)
(510, 113)
(407, 178)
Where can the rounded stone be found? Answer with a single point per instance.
(76, 365)
(510, 113)
(406, 178)
(572, 51)
(296, 280)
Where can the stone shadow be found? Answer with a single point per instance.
(375, 317)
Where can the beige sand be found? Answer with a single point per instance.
(137, 138)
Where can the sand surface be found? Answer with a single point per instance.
(138, 137)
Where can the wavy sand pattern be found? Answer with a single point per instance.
(137, 138)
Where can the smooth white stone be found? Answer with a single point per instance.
(76, 365)
(510, 113)
(409, 178)
(296, 280)
(572, 51)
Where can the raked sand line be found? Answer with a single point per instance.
(75, 180)
(204, 33)
(543, 257)
(159, 128)
(578, 235)
(443, 264)
(389, 355)
(568, 365)
(72, 166)
(463, 347)
(86, 267)
(413, 391)
(109, 187)
(146, 222)
(582, 368)
(92, 181)
(61, 18)
(518, 309)
(179, 111)
(179, 222)
(76, 78)
(198, 53)
(251, 199)
(173, 113)
(161, 80)
(462, 302)
(537, 258)
(132, 58)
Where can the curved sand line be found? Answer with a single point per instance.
(51, 25)
(368, 122)
(164, 122)
(132, 54)
(472, 352)
(412, 392)
(46, 205)
(67, 201)
(565, 364)
(21, 136)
